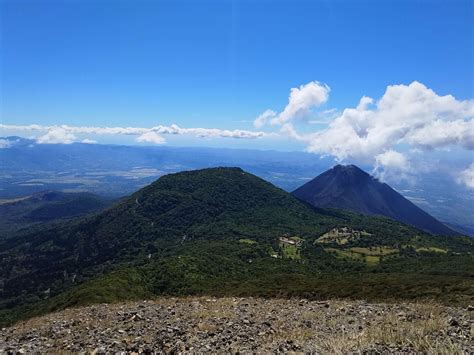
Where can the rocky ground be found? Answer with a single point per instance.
(246, 325)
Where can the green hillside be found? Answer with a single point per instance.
(223, 231)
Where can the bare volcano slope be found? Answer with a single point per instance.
(351, 188)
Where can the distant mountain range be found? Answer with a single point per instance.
(47, 206)
(117, 170)
(350, 188)
(224, 231)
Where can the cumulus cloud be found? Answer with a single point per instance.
(66, 134)
(410, 116)
(56, 135)
(151, 137)
(406, 114)
(300, 103)
(466, 177)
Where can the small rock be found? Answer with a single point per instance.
(137, 317)
(453, 322)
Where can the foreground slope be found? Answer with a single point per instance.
(223, 231)
(246, 325)
(350, 188)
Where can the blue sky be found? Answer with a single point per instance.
(218, 63)
(221, 64)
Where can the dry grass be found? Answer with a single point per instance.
(206, 326)
(212, 314)
(417, 334)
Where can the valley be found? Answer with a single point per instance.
(47, 207)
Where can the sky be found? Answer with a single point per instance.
(383, 82)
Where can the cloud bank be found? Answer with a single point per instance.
(64, 134)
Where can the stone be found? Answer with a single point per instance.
(453, 322)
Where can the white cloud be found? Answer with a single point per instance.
(5, 143)
(324, 117)
(392, 164)
(289, 130)
(300, 103)
(88, 141)
(364, 102)
(151, 137)
(466, 177)
(56, 135)
(65, 133)
(392, 159)
(406, 114)
(441, 133)
(264, 118)
(210, 132)
(302, 100)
